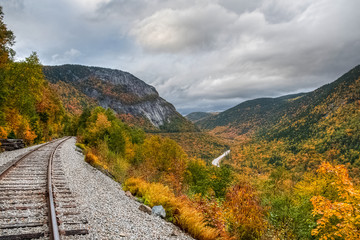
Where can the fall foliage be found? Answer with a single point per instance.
(339, 211)
(293, 172)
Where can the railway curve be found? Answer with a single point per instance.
(35, 201)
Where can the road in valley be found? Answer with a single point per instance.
(216, 161)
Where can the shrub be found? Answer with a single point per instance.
(244, 214)
(81, 146)
(92, 159)
(181, 210)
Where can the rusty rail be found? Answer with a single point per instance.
(52, 213)
(13, 164)
(53, 227)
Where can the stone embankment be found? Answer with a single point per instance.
(11, 144)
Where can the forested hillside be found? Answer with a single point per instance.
(293, 171)
(291, 116)
(250, 115)
(120, 91)
(292, 154)
(197, 116)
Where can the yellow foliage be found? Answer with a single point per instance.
(180, 209)
(102, 122)
(24, 131)
(91, 159)
(340, 212)
(13, 119)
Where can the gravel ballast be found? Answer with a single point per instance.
(110, 213)
(5, 157)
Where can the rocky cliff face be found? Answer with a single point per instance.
(122, 92)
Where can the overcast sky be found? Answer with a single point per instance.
(201, 55)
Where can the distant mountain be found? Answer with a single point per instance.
(196, 116)
(118, 90)
(251, 114)
(294, 117)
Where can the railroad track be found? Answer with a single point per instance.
(35, 201)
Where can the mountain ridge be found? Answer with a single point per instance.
(120, 91)
(197, 116)
(277, 113)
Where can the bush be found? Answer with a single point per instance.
(92, 159)
(179, 209)
(81, 146)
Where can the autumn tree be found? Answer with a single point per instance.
(243, 212)
(164, 160)
(338, 209)
(7, 39)
(198, 177)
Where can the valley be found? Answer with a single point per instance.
(283, 167)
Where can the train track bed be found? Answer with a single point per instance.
(111, 214)
(25, 202)
(6, 157)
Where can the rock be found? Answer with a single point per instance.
(11, 144)
(123, 235)
(128, 194)
(158, 211)
(145, 209)
(145, 100)
(175, 233)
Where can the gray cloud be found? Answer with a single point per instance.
(199, 54)
(169, 30)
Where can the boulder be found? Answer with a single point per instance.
(158, 211)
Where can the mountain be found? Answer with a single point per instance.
(118, 90)
(250, 114)
(291, 116)
(196, 116)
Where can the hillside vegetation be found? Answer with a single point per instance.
(294, 167)
(199, 144)
(197, 116)
(303, 156)
(199, 198)
(29, 109)
(118, 90)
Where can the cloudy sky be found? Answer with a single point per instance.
(201, 55)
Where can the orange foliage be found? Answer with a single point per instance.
(3, 133)
(29, 136)
(13, 119)
(244, 213)
(339, 213)
(214, 214)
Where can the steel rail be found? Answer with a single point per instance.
(14, 163)
(55, 235)
(54, 230)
